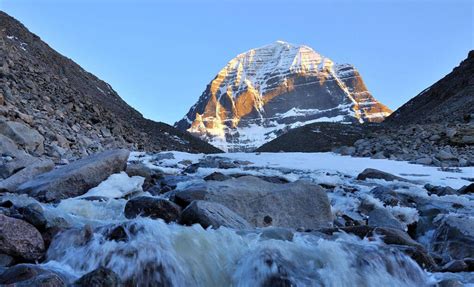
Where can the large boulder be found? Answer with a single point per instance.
(152, 207)
(76, 178)
(20, 239)
(454, 237)
(37, 167)
(25, 275)
(212, 214)
(261, 203)
(23, 135)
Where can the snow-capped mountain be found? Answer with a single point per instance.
(264, 92)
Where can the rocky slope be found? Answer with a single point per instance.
(449, 100)
(264, 92)
(51, 107)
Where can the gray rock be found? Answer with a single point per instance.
(8, 147)
(424, 161)
(37, 167)
(26, 275)
(380, 217)
(445, 154)
(294, 205)
(152, 207)
(21, 161)
(212, 214)
(386, 195)
(455, 266)
(23, 135)
(20, 239)
(371, 173)
(440, 190)
(454, 236)
(139, 169)
(101, 277)
(77, 177)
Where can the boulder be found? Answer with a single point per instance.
(8, 147)
(261, 203)
(77, 177)
(371, 173)
(380, 217)
(454, 237)
(39, 166)
(139, 169)
(212, 214)
(18, 163)
(20, 239)
(25, 275)
(152, 207)
(23, 135)
(439, 190)
(101, 277)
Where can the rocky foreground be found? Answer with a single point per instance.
(179, 219)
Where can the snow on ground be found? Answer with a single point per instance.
(352, 166)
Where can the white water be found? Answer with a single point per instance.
(160, 254)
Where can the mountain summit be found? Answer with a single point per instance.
(264, 92)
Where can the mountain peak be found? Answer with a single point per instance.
(265, 91)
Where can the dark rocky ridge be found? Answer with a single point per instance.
(75, 112)
(451, 99)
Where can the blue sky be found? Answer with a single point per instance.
(160, 55)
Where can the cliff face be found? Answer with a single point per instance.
(73, 110)
(264, 92)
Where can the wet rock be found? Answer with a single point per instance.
(395, 236)
(439, 190)
(31, 170)
(467, 189)
(184, 197)
(152, 207)
(101, 277)
(455, 266)
(170, 182)
(450, 283)
(380, 217)
(454, 236)
(139, 169)
(419, 255)
(386, 195)
(117, 233)
(191, 168)
(294, 205)
(33, 214)
(212, 214)
(23, 135)
(371, 173)
(20, 239)
(217, 176)
(25, 275)
(77, 177)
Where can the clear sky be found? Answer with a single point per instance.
(160, 55)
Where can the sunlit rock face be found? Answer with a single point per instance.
(264, 92)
